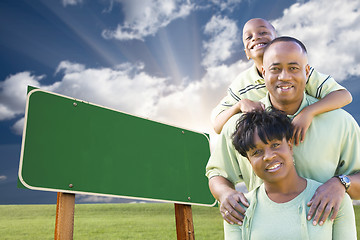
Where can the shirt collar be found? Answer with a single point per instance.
(304, 103)
(255, 75)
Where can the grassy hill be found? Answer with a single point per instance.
(111, 221)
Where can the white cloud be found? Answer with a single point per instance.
(13, 93)
(71, 2)
(145, 17)
(127, 88)
(69, 67)
(18, 126)
(3, 178)
(224, 38)
(226, 4)
(330, 32)
(94, 198)
(191, 105)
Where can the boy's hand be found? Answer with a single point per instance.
(246, 105)
(301, 123)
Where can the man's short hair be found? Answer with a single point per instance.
(269, 125)
(286, 39)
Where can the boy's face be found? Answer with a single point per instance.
(256, 34)
(285, 71)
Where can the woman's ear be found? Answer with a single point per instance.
(290, 144)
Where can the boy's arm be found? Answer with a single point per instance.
(332, 101)
(244, 105)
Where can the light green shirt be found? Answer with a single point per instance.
(331, 147)
(269, 220)
(250, 85)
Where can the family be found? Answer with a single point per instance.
(283, 134)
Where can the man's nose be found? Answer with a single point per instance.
(284, 75)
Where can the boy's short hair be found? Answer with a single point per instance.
(269, 125)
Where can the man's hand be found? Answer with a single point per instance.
(230, 209)
(224, 191)
(326, 198)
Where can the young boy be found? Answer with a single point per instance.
(249, 87)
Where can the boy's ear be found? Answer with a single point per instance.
(247, 54)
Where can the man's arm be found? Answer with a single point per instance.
(329, 197)
(354, 189)
(224, 191)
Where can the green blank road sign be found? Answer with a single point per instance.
(77, 147)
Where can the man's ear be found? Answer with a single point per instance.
(263, 71)
(307, 69)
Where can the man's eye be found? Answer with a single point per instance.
(274, 69)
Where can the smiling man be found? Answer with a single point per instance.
(330, 154)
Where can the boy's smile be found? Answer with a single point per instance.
(257, 33)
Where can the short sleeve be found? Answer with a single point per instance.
(344, 225)
(223, 160)
(319, 85)
(349, 162)
(228, 101)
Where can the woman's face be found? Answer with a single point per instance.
(273, 161)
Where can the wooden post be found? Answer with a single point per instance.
(64, 226)
(184, 222)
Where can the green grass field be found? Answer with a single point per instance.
(111, 221)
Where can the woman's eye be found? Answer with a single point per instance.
(275, 145)
(256, 153)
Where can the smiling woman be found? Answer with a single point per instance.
(278, 207)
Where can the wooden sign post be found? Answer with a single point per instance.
(184, 222)
(64, 224)
(65, 209)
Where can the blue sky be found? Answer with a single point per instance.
(168, 60)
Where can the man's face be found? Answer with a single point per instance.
(256, 34)
(285, 71)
